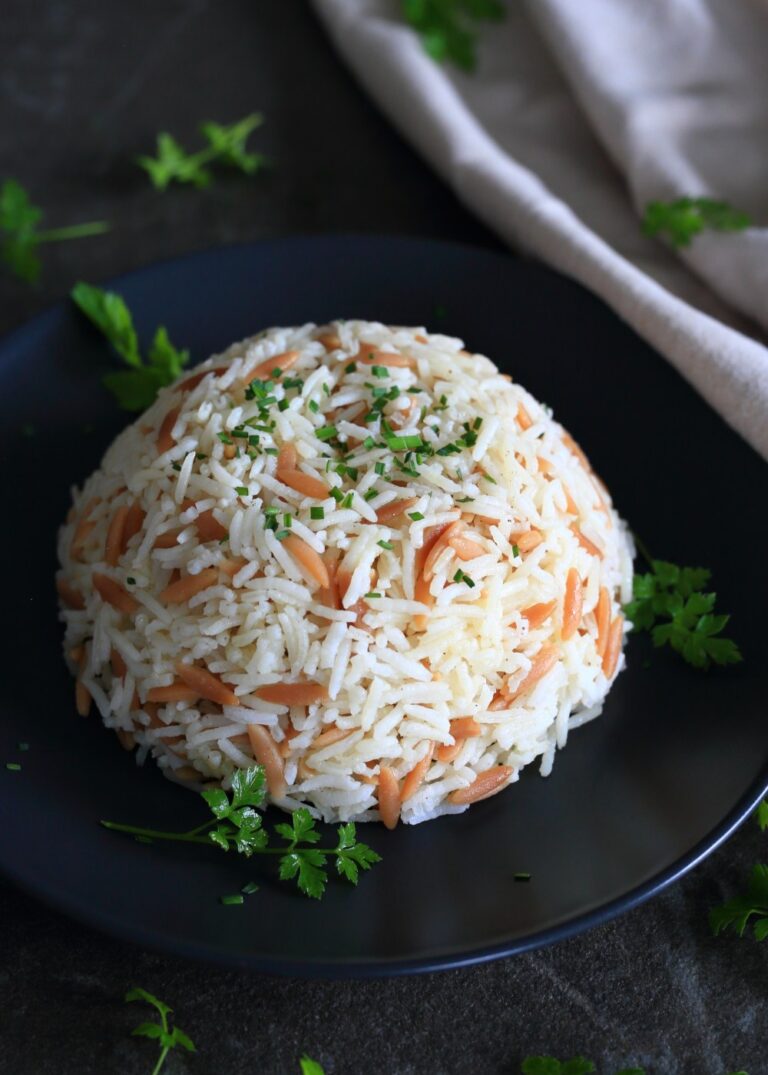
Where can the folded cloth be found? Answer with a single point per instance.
(579, 114)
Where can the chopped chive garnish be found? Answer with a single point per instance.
(293, 382)
(385, 544)
(337, 495)
(271, 451)
(231, 901)
(488, 478)
(414, 389)
(350, 367)
(282, 405)
(281, 535)
(176, 466)
(313, 406)
(23, 746)
(371, 494)
(276, 372)
(13, 766)
(515, 550)
(241, 490)
(250, 888)
(465, 500)
(380, 469)
(372, 594)
(224, 438)
(416, 516)
(379, 371)
(477, 423)
(461, 576)
(347, 501)
(317, 513)
(522, 877)
(288, 520)
(254, 440)
(271, 511)
(410, 471)
(369, 443)
(403, 444)
(326, 432)
(200, 455)
(131, 581)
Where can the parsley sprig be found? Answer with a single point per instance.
(737, 913)
(682, 219)
(237, 826)
(225, 145)
(444, 26)
(134, 388)
(670, 602)
(161, 1032)
(19, 234)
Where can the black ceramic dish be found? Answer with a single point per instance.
(637, 798)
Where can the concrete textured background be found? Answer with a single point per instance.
(84, 86)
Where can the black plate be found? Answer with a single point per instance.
(638, 797)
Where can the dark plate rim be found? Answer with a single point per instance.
(448, 959)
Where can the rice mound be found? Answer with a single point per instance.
(357, 554)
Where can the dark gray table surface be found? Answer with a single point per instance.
(84, 86)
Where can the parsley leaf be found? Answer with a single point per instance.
(237, 825)
(166, 1037)
(736, 913)
(684, 218)
(226, 145)
(135, 388)
(673, 595)
(443, 26)
(19, 237)
(310, 1067)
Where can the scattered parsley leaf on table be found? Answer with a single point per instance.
(166, 1037)
(19, 235)
(237, 826)
(443, 26)
(682, 219)
(674, 595)
(310, 1067)
(226, 145)
(135, 388)
(736, 913)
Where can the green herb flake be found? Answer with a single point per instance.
(416, 516)
(250, 888)
(231, 901)
(131, 580)
(347, 501)
(380, 469)
(372, 594)
(13, 766)
(522, 877)
(488, 478)
(326, 432)
(317, 512)
(515, 550)
(385, 544)
(371, 494)
(225, 438)
(380, 371)
(242, 490)
(281, 535)
(351, 367)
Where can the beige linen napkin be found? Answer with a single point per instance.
(582, 111)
